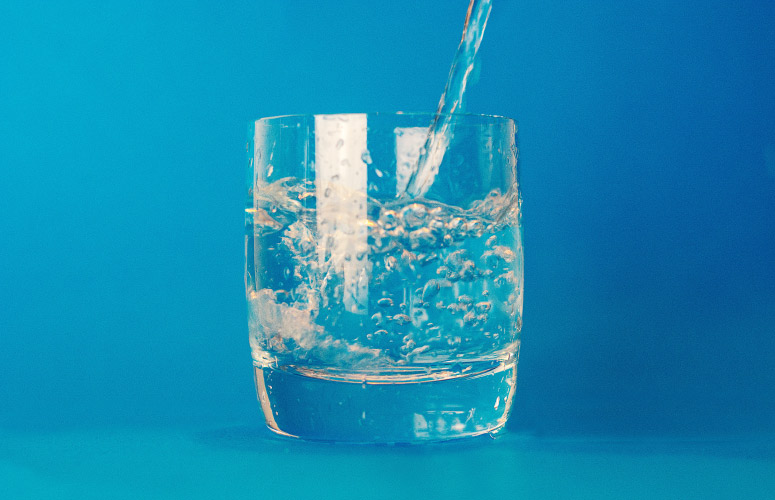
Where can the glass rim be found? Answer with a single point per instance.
(489, 118)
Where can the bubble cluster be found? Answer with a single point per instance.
(426, 283)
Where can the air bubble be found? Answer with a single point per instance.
(474, 228)
(468, 272)
(466, 300)
(505, 253)
(390, 263)
(388, 219)
(430, 290)
(491, 260)
(407, 264)
(413, 215)
(339, 143)
(456, 228)
(428, 259)
(421, 238)
(483, 307)
(366, 157)
(401, 319)
(385, 302)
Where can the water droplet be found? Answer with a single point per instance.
(378, 172)
(366, 157)
(327, 192)
(339, 143)
(385, 302)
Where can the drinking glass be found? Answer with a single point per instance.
(376, 316)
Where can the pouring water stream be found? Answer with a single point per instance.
(432, 154)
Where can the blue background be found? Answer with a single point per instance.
(647, 137)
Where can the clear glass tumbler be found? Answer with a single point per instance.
(375, 316)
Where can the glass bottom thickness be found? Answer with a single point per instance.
(475, 400)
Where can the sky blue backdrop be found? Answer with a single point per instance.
(647, 135)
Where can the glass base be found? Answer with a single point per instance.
(466, 400)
